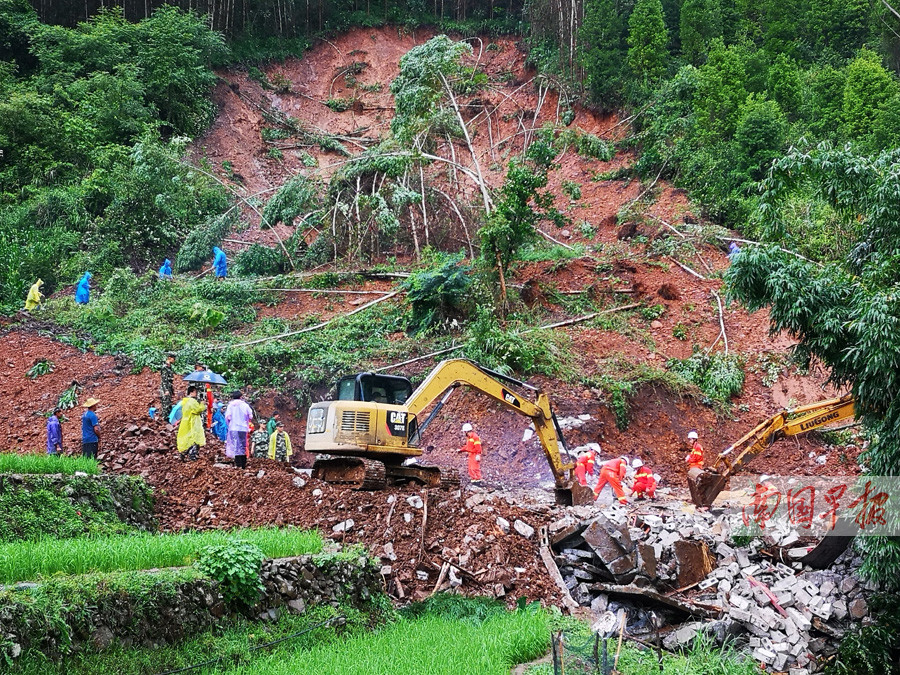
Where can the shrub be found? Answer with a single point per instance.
(197, 248)
(260, 260)
(438, 292)
(508, 351)
(718, 376)
(236, 566)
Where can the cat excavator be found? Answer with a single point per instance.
(705, 485)
(367, 437)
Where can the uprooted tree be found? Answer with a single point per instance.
(846, 313)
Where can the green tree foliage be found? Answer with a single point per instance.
(845, 313)
(759, 138)
(87, 179)
(520, 207)
(647, 41)
(868, 88)
(299, 196)
(700, 22)
(420, 86)
(438, 292)
(782, 21)
(840, 27)
(824, 100)
(721, 91)
(784, 84)
(604, 46)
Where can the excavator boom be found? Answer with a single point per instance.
(705, 485)
(452, 373)
(368, 438)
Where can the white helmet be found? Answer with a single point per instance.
(466, 428)
(637, 463)
(692, 436)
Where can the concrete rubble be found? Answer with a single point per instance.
(669, 566)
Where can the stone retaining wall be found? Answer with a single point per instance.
(165, 606)
(129, 498)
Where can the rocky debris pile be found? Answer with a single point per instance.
(793, 619)
(565, 423)
(488, 542)
(128, 451)
(681, 569)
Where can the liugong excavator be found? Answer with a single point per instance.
(373, 428)
(705, 485)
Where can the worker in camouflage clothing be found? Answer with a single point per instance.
(259, 441)
(166, 385)
(280, 444)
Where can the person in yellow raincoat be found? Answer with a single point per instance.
(35, 297)
(191, 436)
(280, 444)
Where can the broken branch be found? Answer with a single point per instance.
(688, 269)
(312, 328)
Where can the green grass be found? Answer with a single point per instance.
(446, 635)
(430, 644)
(31, 560)
(33, 463)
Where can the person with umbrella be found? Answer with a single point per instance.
(208, 378)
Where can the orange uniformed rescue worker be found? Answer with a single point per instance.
(473, 447)
(584, 465)
(694, 458)
(613, 472)
(644, 482)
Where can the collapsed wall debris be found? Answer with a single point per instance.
(678, 572)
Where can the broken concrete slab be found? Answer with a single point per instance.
(524, 529)
(608, 540)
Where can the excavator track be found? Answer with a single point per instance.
(355, 472)
(449, 479)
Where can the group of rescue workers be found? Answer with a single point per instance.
(612, 472)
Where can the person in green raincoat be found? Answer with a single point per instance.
(191, 436)
(35, 297)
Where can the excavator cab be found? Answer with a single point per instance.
(376, 388)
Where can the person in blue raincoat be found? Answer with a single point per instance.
(165, 272)
(219, 425)
(220, 263)
(175, 415)
(83, 289)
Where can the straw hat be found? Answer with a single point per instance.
(90, 403)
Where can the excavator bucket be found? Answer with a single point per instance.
(574, 494)
(705, 486)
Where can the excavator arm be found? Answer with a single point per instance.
(452, 373)
(706, 485)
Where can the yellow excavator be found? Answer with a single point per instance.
(705, 485)
(373, 429)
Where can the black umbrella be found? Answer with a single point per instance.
(205, 377)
